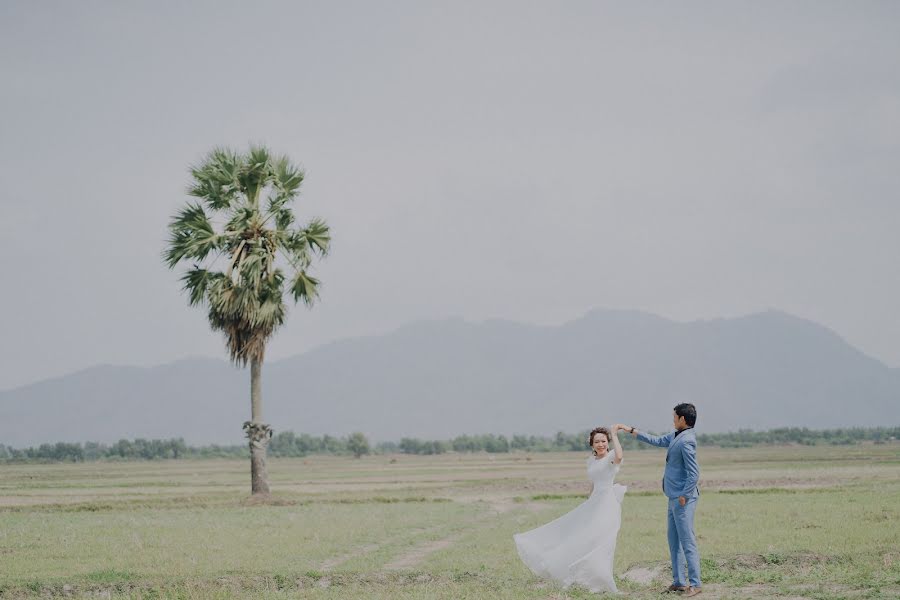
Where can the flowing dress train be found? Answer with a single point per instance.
(578, 547)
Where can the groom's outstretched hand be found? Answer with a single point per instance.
(627, 428)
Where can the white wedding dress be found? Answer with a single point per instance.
(578, 547)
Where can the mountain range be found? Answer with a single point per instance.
(438, 379)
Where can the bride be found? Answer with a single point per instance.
(578, 547)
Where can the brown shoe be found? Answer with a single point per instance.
(675, 588)
(692, 591)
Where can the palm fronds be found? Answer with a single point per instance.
(305, 288)
(318, 236)
(191, 236)
(216, 179)
(245, 297)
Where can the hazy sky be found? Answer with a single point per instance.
(482, 159)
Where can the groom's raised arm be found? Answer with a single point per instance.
(661, 441)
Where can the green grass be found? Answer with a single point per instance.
(801, 522)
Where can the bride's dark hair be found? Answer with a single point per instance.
(594, 432)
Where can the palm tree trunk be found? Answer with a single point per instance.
(257, 432)
(256, 390)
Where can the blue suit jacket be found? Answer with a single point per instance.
(682, 471)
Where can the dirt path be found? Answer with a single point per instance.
(499, 504)
(333, 563)
(415, 556)
(337, 561)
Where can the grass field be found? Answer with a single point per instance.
(791, 522)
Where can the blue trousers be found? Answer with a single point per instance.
(682, 543)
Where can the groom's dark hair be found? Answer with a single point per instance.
(688, 412)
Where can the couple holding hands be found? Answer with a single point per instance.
(578, 547)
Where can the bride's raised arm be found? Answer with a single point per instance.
(616, 445)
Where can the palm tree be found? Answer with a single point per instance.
(241, 242)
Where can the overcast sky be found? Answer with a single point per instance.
(520, 160)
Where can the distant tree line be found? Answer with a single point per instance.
(138, 449)
(800, 435)
(290, 444)
(492, 443)
(286, 443)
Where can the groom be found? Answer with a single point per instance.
(680, 481)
